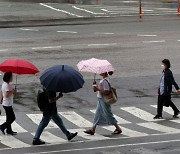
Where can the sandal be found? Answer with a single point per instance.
(116, 132)
(90, 132)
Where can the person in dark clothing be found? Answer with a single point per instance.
(165, 90)
(7, 92)
(49, 113)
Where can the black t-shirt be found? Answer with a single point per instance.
(50, 107)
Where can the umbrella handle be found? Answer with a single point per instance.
(94, 78)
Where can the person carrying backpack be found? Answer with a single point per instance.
(47, 104)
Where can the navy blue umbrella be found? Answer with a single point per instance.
(62, 78)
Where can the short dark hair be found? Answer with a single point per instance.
(7, 76)
(166, 62)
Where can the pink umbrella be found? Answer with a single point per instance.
(94, 65)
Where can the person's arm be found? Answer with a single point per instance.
(53, 100)
(173, 81)
(105, 90)
(8, 93)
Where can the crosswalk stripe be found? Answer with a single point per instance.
(119, 119)
(127, 132)
(139, 113)
(159, 127)
(50, 138)
(16, 127)
(89, 137)
(12, 142)
(166, 109)
(76, 119)
(36, 118)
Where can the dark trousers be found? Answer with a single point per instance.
(165, 99)
(10, 118)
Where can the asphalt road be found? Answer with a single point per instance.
(134, 48)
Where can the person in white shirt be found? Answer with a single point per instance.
(7, 102)
(103, 115)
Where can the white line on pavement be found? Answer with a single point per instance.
(48, 47)
(107, 147)
(4, 50)
(28, 29)
(158, 41)
(75, 7)
(103, 33)
(146, 35)
(67, 32)
(63, 11)
(106, 44)
(178, 40)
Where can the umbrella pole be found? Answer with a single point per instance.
(16, 81)
(94, 78)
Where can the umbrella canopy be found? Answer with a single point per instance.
(18, 66)
(94, 65)
(62, 78)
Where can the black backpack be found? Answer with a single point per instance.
(42, 100)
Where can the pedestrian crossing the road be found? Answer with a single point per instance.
(134, 121)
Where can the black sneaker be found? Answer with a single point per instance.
(38, 142)
(158, 117)
(176, 114)
(2, 130)
(11, 133)
(71, 136)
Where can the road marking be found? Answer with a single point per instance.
(178, 40)
(12, 142)
(48, 47)
(139, 113)
(127, 132)
(166, 109)
(107, 147)
(28, 29)
(67, 32)
(50, 138)
(76, 119)
(75, 7)
(119, 119)
(15, 126)
(103, 33)
(158, 127)
(63, 11)
(36, 118)
(4, 50)
(159, 41)
(89, 137)
(106, 44)
(141, 35)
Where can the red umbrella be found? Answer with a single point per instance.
(18, 66)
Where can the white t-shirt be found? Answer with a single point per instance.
(103, 84)
(7, 101)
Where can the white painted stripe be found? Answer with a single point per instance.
(89, 137)
(106, 44)
(63, 11)
(36, 118)
(158, 41)
(76, 119)
(166, 109)
(4, 50)
(139, 113)
(103, 33)
(12, 142)
(67, 32)
(85, 10)
(119, 119)
(48, 47)
(50, 138)
(105, 10)
(126, 131)
(108, 147)
(16, 127)
(29, 29)
(146, 35)
(178, 40)
(159, 127)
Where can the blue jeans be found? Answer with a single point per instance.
(45, 121)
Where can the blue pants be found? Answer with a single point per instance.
(45, 121)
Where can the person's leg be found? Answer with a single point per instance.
(57, 119)
(5, 124)
(173, 106)
(160, 105)
(44, 122)
(10, 118)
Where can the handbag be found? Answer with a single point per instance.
(110, 98)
